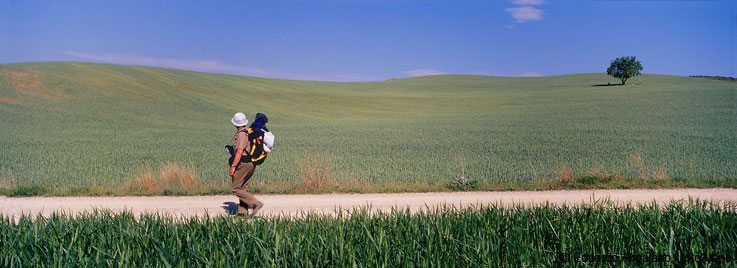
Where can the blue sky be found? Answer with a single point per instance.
(365, 40)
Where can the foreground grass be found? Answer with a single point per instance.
(682, 234)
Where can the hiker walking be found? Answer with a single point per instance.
(242, 168)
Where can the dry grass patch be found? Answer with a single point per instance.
(661, 174)
(564, 175)
(171, 178)
(315, 174)
(602, 175)
(7, 180)
(637, 163)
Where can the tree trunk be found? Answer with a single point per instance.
(623, 81)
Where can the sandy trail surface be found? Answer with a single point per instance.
(328, 203)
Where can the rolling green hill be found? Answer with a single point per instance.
(68, 127)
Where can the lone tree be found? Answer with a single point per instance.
(624, 68)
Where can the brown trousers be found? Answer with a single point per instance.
(243, 173)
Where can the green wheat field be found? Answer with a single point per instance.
(85, 128)
(686, 234)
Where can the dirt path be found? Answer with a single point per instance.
(327, 203)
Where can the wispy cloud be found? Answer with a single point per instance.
(210, 66)
(423, 72)
(525, 13)
(528, 2)
(198, 65)
(530, 74)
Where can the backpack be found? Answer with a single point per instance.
(262, 142)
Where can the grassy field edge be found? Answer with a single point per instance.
(585, 182)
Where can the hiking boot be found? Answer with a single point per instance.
(256, 208)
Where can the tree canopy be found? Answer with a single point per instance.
(624, 68)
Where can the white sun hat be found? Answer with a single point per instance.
(239, 120)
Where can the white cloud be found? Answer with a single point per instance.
(525, 13)
(530, 74)
(211, 66)
(423, 72)
(527, 2)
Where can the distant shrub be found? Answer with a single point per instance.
(722, 78)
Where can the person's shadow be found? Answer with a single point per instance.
(230, 207)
